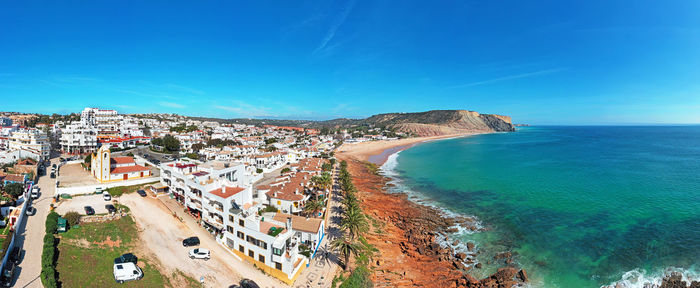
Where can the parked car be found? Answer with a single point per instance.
(192, 241)
(53, 175)
(14, 255)
(110, 208)
(200, 253)
(8, 273)
(89, 210)
(35, 192)
(53, 166)
(126, 258)
(106, 196)
(141, 192)
(127, 272)
(30, 211)
(247, 283)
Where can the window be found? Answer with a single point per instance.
(251, 253)
(261, 258)
(240, 248)
(241, 223)
(278, 266)
(240, 235)
(276, 251)
(230, 218)
(229, 229)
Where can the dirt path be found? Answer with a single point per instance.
(162, 236)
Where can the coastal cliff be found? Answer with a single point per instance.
(442, 122)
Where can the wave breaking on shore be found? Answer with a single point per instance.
(669, 277)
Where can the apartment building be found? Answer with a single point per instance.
(220, 194)
(31, 141)
(78, 138)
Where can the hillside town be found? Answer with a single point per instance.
(262, 193)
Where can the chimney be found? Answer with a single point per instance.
(289, 223)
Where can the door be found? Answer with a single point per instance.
(126, 176)
(141, 174)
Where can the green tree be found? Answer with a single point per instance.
(322, 182)
(14, 189)
(354, 222)
(312, 207)
(285, 170)
(346, 248)
(73, 218)
(170, 143)
(196, 147)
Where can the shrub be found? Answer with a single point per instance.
(73, 218)
(285, 170)
(358, 279)
(258, 171)
(51, 223)
(48, 260)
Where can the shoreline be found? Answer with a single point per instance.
(410, 236)
(377, 152)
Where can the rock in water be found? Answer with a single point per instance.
(470, 246)
(522, 275)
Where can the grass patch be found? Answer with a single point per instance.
(86, 261)
(121, 190)
(373, 168)
(122, 229)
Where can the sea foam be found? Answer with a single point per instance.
(640, 278)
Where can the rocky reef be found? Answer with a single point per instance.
(412, 241)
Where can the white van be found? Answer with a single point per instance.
(127, 272)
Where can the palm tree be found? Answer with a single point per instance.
(322, 182)
(345, 247)
(313, 206)
(354, 222)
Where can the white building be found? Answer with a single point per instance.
(220, 194)
(32, 141)
(78, 138)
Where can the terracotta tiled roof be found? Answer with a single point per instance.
(14, 178)
(226, 191)
(311, 225)
(122, 160)
(128, 169)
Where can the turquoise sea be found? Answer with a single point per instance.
(581, 206)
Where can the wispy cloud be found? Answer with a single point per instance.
(335, 25)
(244, 109)
(184, 89)
(171, 105)
(509, 77)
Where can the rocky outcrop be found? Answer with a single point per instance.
(675, 280)
(408, 243)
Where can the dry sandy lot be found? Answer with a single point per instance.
(378, 151)
(74, 175)
(162, 234)
(77, 203)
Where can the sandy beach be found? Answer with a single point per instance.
(378, 152)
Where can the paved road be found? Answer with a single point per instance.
(323, 268)
(31, 236)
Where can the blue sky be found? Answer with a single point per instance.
(542, 62)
